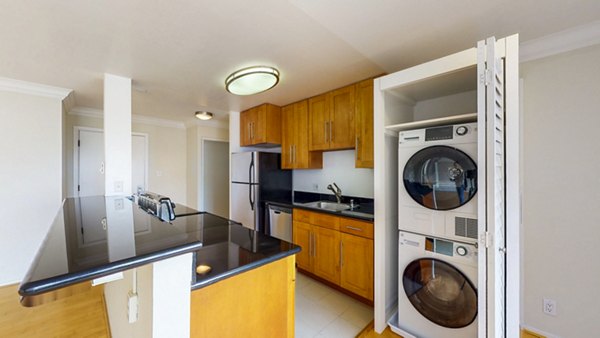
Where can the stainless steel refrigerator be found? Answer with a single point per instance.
(256, 178)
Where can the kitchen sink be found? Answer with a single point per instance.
(328, 205)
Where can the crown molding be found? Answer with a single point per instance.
(99, 114)
(24, 87)
(560, 42)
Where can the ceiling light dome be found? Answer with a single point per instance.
(252, 80)
(204, 115)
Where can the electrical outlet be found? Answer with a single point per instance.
(118, 186)
(119, 204)
(550, 307)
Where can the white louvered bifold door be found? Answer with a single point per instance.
(491, 170)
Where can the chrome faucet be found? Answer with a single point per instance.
(337, 191)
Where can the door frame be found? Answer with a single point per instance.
(200, 185)
(76, 130)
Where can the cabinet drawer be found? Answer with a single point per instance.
(325, 220)
(355, 227)
(301, 215)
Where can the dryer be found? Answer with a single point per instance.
(438, 181)
(437, 294)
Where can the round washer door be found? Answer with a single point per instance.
(440, 178)
(440, 292)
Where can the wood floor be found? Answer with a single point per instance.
(81, 315)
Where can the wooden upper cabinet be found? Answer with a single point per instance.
(319, 116)
(261, 126)
(288, 137)
(341, 122)
(331, 120)
(364, 124)
(294, 146)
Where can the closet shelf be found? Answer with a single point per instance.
(464, 118)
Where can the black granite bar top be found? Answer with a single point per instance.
(97, 236)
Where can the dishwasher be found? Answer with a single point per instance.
(280, 222)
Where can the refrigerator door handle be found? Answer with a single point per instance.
(251, 181)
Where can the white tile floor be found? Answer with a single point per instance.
(324, 312)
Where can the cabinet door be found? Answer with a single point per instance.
(302, 236)
(245, 125)
(357, 265)
(364, 124)
(318, 133)
(326, 259)
(341, 122)
(288, 137)
(259, 124)
(303, 158)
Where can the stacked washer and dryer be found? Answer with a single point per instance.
(437, 294)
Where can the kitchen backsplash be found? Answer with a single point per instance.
(338, 167)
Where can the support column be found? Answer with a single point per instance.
(117, 135)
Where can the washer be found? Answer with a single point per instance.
(438, 181)
(437, 294)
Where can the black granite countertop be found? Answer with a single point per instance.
(96, 236)
(364, 209)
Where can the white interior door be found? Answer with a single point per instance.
(492, 206)
(90, 163)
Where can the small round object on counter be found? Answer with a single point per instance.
(203, 269)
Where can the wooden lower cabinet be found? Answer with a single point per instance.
(256, 303)
(302, 236)
(326, 262)
(336, 249)
(357, 265)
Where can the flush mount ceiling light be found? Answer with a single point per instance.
(204, 115)
(252, 80)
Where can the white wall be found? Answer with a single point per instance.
(561, 223)
(338, 167)
(166, 156)
(30, 177)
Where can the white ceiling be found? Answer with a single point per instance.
(179, 52)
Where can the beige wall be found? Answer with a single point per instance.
(561, 222)
(195, 135)
(166, 156)
(30, 177)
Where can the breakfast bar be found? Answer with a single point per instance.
(112, 241)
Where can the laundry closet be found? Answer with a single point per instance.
(447, 199)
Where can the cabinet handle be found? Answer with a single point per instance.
(325, 130)
(291, 160)
(252, 130)
(294, 152)
(314, 245)
(331, 131)
(341, 254)
(249, 133)
(356, 145)
(353, 228)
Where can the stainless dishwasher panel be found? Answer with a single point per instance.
(280, 222)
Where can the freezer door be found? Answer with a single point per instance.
(244, 204)
(244, 167)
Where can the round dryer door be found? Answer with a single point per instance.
(440, 177)
(440, 292)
